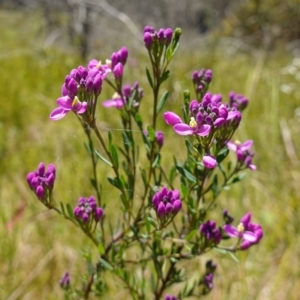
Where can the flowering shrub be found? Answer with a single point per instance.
(171, 221)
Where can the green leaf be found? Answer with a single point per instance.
(151, 133)
(101, 249)
(144, 176)
(70, 211)
(156, 160)
(150, 80)
(222, 155)
(162, 102)
(114, 155)
(88, 149)
(138, 120)
(103, 158)
(237, 178)
(215, 185)
(109, 138)
(191, 235)
(172, 174)
(186, 174)
(63, 208)
(105, 264)
(116, 182)
(233, 257)
(152, 222)
(127, 139)
(164, 76)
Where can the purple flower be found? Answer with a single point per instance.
(209, 161)
(160, 38)
(166, 202)
(41, 181)
(87, 210)
(184, 129)
(170, 297)
(118, 70)
(248, 232)
(116, 101)
(243, 153)
(210, 232)
(119, 57)
(238, 101)
(159, 135)
(66, 104)
(208, 281)
(65, 281)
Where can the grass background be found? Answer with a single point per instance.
(37, 246)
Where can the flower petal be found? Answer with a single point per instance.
(83, 108)
(249, 236)
(171, 118)
(231, 230)
(203, 130)
(183, 129)
(118, 103)
(209, 161)
(58, 113)
(246, 145)
(232, 146)
(65, 102)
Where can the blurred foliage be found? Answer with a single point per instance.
(265, 22)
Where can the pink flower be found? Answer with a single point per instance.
(248, 232)
(185, 129)
(243, 153)
(209, 161)
(67, 104)
(116, 101)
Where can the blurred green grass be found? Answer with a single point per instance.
(40, 246)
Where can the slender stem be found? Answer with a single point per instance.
(99, 136)
(88, 233)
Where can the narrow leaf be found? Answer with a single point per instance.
(186, 174)
(162, 102)
(164, 76)
(88, 149)
(103, 158)
(63, 208)
(70, 211)
(105, 264)
(150, 80)
(151, 133)
(114, 155)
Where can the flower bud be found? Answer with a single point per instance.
(118, 71)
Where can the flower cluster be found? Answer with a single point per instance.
(248, 233)
(118, 61)
(201, 81)
(238, 101)
(80, 89)
(134, 93)
(243, 153)
(158, 38)
(210, 119)
(41, 181)
(86, 211)
(210, 232)
(166, 203)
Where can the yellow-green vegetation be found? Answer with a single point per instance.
(37, 246)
